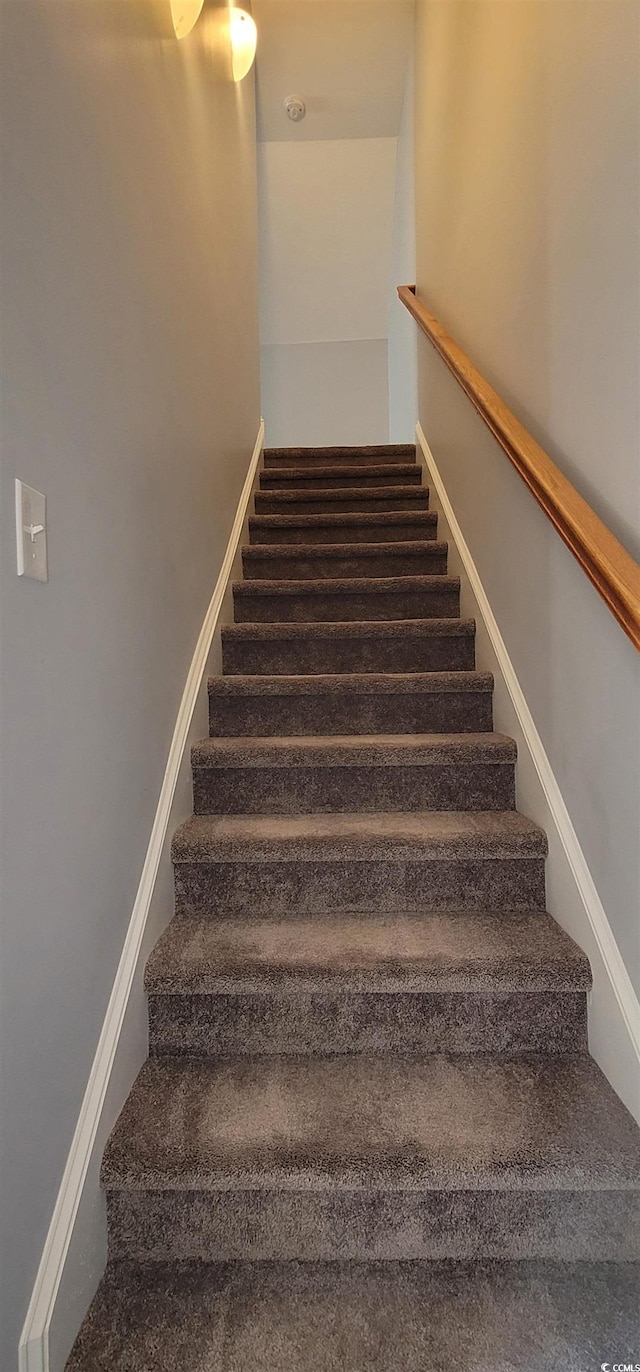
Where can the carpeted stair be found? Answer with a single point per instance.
(369, 1134)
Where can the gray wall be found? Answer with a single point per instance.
(528, 250)
(131, 398)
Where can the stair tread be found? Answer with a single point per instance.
(357, 518)
(376, 450)
(404, 492)
(276, 551)
(351, 683)
(373, 1122)
(364, 1317)
(354, 750)
(336, 470)
(407, 836)
(353, 628)
(347, 585)
(441, 952)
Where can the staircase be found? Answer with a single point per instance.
(368, 1041)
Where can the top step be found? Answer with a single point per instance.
(386, 453)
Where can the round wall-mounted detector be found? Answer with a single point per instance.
(295, 107)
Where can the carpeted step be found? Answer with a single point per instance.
(451, 982)
(309, 561)
(435, 951)
(303, 864)
(335, 476)
(348, 500)
(411, 527)
(400, 453)
(360, 1317)
(373, 1157)
(346, 598)
(354, 773)
(350, 703)
(408, 645)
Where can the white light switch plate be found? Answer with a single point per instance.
(31, 532)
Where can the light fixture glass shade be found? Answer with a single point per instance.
(185, 14)
(244, 38)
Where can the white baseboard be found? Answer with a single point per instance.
(45, 1339)
(614, 1010)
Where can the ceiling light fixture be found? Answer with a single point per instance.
(185, 15)
(244, 39)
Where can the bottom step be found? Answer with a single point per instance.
(355, 1317)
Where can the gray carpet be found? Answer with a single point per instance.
(369, 1135)
(350, 1317)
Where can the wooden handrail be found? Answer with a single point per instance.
(608, 565)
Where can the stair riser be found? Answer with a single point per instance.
(272, 716)
(412, 531)
(348, 504)
(392, 1226)
(275, 480)
(341, 457)
(297, 656)
(319, 1023)
(437, 602)
(429, 562)
(308, 790)
(212, 890)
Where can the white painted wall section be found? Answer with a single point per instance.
(326, 226)
(326, 393)
(327, 191)
(403, 341)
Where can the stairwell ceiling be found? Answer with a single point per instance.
(346, 58)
